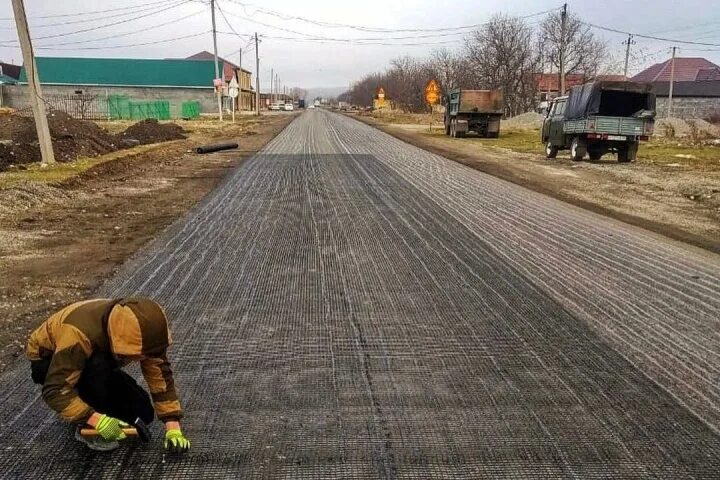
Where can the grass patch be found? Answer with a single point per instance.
(60, 171)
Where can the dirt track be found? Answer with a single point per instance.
(349, 306)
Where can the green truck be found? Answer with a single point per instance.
(598, 118)
(476, 111)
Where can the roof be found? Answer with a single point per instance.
(124, 72)
(551, 81)
(12, 71)
(710, 88)
(7, 80)
(687, 69)
(228, 67)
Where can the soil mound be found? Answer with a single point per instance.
(71, 139)
(152, 131)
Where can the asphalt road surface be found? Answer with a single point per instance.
(348, 306)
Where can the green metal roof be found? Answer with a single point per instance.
(5, 79)
(124, 72)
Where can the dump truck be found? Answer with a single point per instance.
(476, 111)
(598, 118)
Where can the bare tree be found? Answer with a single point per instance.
(503, 56)
(583, 52)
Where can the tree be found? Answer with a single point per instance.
(583, 52)
(502, 55)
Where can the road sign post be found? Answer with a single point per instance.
(432, 97)
(233, 92)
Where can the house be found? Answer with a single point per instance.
(176, 81)
(696, 86)
(246, 98)
(10, 70)
(686, 69)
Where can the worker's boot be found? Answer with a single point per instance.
(97, 442)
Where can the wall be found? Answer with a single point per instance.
(689, 107)
(16, 96)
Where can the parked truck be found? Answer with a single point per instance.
(476, 111)
(598, 118)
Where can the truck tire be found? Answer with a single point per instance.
(459, 134)
(578, 149)
(595, 154)
(551, 150)
(447, 128)
(632, 151)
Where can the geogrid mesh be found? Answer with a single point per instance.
(332, 321)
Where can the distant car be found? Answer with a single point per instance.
(288, 107)
(274, 106)
(311, 106)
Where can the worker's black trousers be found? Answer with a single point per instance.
(106, 388)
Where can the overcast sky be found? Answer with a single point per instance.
(312, 64)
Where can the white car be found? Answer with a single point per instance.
(274, 106)
(288, 107)
(311, 106)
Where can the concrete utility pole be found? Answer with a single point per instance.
(672, 81)
(36, 100)
(629, 42)
(217, 69)
(257, 77)
(272, 86)
(240, 81)
(563, 29)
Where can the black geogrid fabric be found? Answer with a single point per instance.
(330, 321)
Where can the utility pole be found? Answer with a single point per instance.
(629, 42)
(563, 29)
(272, 86)
(240, 77)
(257, 77)
(672, 81)
(36, 100)
(217, 69)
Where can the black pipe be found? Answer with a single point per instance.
(216, 147)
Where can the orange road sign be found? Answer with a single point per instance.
(432, 92)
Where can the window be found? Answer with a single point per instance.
(559, 108)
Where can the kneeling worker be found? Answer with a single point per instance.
(76, 356)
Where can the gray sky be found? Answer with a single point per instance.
(313, 64)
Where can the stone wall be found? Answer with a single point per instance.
(16, 96)
(690, 107)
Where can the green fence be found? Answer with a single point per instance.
(190, 109)
(120, 107)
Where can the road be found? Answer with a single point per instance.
(345, 305)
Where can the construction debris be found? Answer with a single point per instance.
(152, 131)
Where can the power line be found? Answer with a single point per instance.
(90, 29)
(110, 37)
(651, 37)
(286, 17)
(105, 17)
(347, 41)
(130, 7)
(109, 47)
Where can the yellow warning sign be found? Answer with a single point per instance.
(432, 92)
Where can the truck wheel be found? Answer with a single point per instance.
(595, 154)
(459, 134)
(551, 150)
(577, 149)
(447, 128)
(632, 151)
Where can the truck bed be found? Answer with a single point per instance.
(608, 125)
(481, 101)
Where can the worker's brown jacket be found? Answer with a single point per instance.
(136, 330)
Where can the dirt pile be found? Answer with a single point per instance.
(74, 138)
(152, 131)
(71, 139)
(527, 120)
(696, 128)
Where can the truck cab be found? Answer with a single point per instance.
(598, 118)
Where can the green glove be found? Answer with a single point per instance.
(176, 442)
(110, 428)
